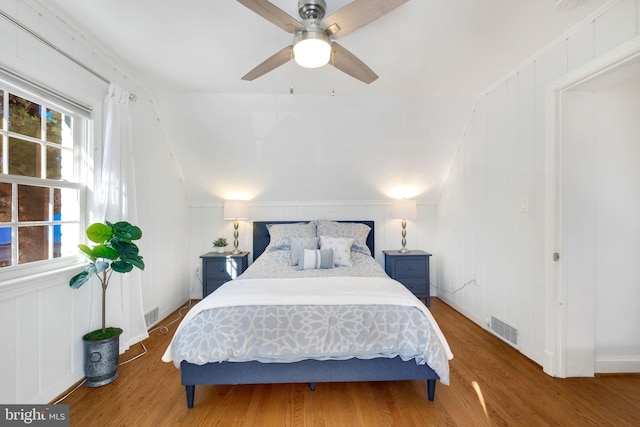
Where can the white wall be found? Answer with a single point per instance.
(42, 319)
(207, 225)
(484, 229)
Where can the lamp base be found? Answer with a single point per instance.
(235, 251)
(404, 249)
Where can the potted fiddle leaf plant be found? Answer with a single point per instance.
(114, 252)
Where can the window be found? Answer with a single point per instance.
(41, 190)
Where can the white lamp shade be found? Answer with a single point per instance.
(312, 53)
(311, 47)
(404, 209)
(236, 209)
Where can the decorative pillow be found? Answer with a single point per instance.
(341, 249)
(354, 230)
(280, 234)
(297, 246)
(316, 258)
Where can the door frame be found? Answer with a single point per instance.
(555, 360)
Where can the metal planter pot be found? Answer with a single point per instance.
(101, 361)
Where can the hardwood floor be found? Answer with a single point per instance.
(514, 390)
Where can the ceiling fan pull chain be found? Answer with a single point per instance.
(333, 76)
(291, 78)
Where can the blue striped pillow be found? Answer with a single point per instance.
(316, 258)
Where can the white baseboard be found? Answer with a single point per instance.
(614, 365)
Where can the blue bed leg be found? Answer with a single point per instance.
(191, 391)
(431, 389)
(312, 386)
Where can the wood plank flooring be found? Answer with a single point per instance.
(514, 390)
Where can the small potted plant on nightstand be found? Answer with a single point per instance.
(220, 243)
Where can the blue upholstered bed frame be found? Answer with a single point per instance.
(305, 371)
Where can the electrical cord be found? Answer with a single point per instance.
(457, 290)
(70, 393)
(164, 329)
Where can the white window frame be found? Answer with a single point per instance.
(82, 127)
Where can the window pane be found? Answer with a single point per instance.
(54, 126)
(25, 117)
(5, 202)
(24, 158)
(65, 240)
(33, 244)
(66, 204)
(33, 203)
(67, 131)
(54, 163)
(5, 246)
(57, 241)
(59, 128)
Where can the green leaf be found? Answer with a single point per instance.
(79, 280)
(99, 233)
(91, 268)
(121, 266)
(137, 262)
(101, 266)
(87, 251)
(102, 251)
(125, 249)
(126, 231)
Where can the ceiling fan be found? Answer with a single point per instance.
(313, 44)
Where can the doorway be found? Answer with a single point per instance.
(593, 291)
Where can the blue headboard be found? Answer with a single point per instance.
(261, 235)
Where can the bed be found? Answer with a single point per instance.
(310, 311)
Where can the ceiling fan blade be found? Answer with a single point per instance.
(347, 62)
(274, 61)
(358, 14)
(273, 14)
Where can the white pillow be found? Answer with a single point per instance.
(341, 249)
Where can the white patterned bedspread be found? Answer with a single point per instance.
(290, 319)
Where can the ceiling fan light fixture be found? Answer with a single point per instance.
(311, 48)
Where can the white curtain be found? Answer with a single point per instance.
(116, 201)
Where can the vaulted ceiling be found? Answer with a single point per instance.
(394, 137)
